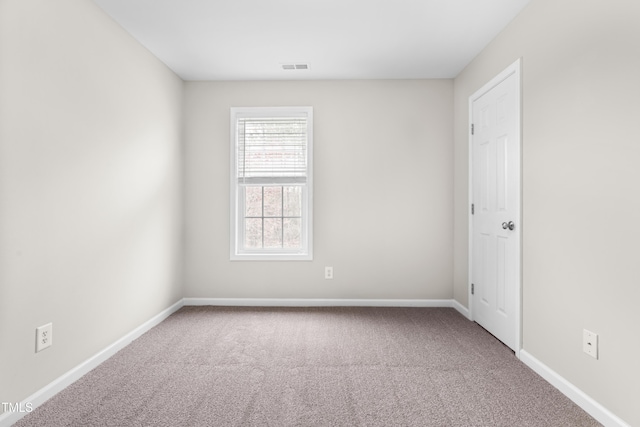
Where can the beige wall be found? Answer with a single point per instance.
(382, 191)
(90, 128)
(581, 269)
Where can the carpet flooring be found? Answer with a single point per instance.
(240, 366)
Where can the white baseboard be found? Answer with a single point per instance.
(317, 302)
(593, 408)
(461, 309)
(53, 388)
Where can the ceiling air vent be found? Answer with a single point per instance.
(295, 66)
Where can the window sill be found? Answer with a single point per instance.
(271, 257)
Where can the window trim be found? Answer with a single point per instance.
(236, 235)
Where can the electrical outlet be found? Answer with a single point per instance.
(44, 337)
(590, 343)
(328, 272)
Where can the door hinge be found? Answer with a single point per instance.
(472, 129)
(473, 209)
(473, 291)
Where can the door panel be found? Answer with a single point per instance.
(495, 182)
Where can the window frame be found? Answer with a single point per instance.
(237, 208)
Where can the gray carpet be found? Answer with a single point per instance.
(222, 366)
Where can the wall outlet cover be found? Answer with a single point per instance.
(590, 343)
(44, 337)
(328, 272)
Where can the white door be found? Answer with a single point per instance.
(495, 197)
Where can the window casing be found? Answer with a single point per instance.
(271, 183)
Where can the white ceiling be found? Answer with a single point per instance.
(339, 39)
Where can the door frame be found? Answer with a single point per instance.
(513, 69)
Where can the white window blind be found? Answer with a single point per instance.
(272, 150)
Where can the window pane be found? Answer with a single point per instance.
(253, 233)
(272, 201)
(253, 201)
(292, 196)
(272, 232)
(292, 231)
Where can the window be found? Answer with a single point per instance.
(271, 183)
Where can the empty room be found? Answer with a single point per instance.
(319, 213)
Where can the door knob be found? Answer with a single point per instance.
(510, 225)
